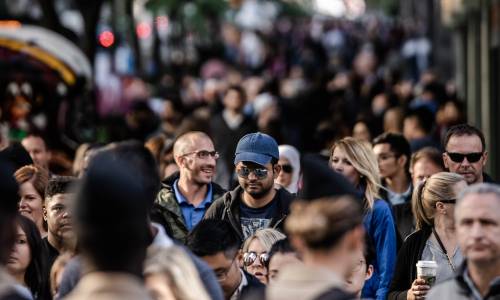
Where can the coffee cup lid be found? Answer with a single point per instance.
(426, 264)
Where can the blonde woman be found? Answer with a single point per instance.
(256, 252)
(435, 239)
(169, 274)
(356, 161)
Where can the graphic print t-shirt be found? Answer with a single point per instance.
(253, 219)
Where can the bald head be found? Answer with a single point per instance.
(196, 157)
(188, 142)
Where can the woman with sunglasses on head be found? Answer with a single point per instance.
(356, 161)
(26, 262)
(256, 252)
(435, 239)
(289, 175)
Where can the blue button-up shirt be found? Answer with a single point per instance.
(192, 215)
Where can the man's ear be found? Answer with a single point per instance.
(369, 272)
(44, 209)
(402, 160)
(445, 161)
(485, 158)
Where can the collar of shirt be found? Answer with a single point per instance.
(475, 292)
(232, 121)
(181, 199)
(396, 198)
(243, 283)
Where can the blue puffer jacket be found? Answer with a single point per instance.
(379, 224)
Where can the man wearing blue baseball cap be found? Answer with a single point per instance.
(255, 203)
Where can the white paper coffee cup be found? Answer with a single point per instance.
(427, 269)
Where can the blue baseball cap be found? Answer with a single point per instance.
(256, 147)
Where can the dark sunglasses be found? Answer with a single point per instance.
(449, 201)
(204, 154)
(459, 157)
(250, 257)
(287, 168)
(260, 173)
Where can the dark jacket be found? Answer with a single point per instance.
(406, 270)
(336, 294)
(487, 179)
(228, 208)
(458, 289)
(254, 289)
(403, 216)
(167, 211)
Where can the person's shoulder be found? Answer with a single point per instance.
(381, 206)
(337, 294)
(285, 195)
(217, 190)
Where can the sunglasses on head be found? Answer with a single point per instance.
(250, 257)
(449, 201)
(287, 168)
(260, 173)
(459, 157)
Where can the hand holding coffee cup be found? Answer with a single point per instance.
(427, 269)
(418, 290)
(426, 276)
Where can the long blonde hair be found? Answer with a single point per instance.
(183, 278)
(439, 186)
(364, 161)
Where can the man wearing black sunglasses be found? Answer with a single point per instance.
(255, 203)
(465, 153)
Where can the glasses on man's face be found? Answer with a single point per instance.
(203, 154)
(244, 172)
(287, 168)
(221, 275)
(250, 257)
(459, 157)
(358, 265)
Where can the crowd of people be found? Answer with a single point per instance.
(296, 225)
(315, 167)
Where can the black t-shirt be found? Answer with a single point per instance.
(253, 219)
(51, 255)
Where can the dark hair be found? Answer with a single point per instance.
(461, 130)
(141, 160)
(34, 275)
(424, 117)
(212, 236)
(282, 246)
(239, 90)
(430, 153)
(59, 185)
(398, 143)
(38, 134)
(8, 208)
(113, 243)
(17, 155)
